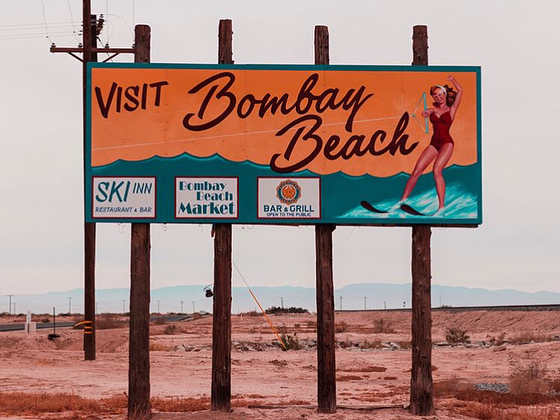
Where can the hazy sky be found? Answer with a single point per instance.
(515, 42)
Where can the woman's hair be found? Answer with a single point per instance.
(450, 97)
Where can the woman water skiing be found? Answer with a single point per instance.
(440, 149)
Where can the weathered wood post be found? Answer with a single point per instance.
(89, 42)
(421, 382)
(139, 342)
(326, 368)
(220, 399)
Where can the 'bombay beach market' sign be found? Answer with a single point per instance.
(283, 144)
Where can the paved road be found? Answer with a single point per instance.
(40, 326)
(45, 325)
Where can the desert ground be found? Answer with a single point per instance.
(507, 368)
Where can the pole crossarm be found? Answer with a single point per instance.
(77, 50)
(93, 50)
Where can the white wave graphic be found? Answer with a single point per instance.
(459, 204)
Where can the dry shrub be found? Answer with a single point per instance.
(375, 344)
(496, 341)
(405, 345)
(279, 363)
(528, 337)
(340, 327)
(383, 326)
(290, 342)
(529, 375)
(312, 325)
(155, 346)
(390, 378)
(482, 412)
(170, 329)
(456, 335)
(108, 322)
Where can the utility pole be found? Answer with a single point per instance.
(69, 305)
(282, 302)
(193, 307)
(10, 304)
(365, 303)
(324, 282)
(421, 381)
(220, 393)
(91, 27)
(340, 306)
(182, 307)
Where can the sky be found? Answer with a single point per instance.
(41, 209)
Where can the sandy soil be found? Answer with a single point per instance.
(263, 374)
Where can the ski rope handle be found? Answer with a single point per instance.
(422, 99)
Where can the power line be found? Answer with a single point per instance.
(45, 21)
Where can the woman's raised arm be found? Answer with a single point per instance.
(459, 88)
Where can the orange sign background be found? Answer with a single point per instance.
(158, 130)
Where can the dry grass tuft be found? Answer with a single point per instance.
(382, 326)
(176, 405)
(492, 412)
(155, 346)
(19, 403)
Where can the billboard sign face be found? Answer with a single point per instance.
(380, 145)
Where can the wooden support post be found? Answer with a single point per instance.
(139, 341)
(89, 42)
(326, 367)
(421, 382)
(220, 397)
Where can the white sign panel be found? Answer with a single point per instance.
(124, 197)
(289, 198)
(206, 198)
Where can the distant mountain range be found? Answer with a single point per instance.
(189, 298)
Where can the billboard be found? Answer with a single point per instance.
(380, 145)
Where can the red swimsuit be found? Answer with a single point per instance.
(441, 124)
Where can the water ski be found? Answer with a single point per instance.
(407, 209)
(369, 207)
